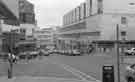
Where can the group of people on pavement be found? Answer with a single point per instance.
(12, 58)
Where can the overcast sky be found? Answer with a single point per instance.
(50, 12)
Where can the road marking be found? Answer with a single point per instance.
(83, 76)
(80, 74)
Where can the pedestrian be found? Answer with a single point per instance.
(14, 58)
(9, 58)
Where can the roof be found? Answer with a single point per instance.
(8, 12)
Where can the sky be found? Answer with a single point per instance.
(50, 12)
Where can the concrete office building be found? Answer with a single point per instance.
(27, 18)
(98, 21)
(99, 27)
(44, 37)
(26, 12)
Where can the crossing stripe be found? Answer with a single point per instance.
(83, 76)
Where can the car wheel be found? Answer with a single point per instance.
(132, 53)
(126, 54)
(130, 79)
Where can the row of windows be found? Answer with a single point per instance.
(44, 36)
(19, 30)
(27, 18)
(90, 7)
(43, 32)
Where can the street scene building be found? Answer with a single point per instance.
(22, 21)
(96, 21)
(95, 42)
(44, 38)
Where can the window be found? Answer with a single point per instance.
(123, 33)
(100, 6)
(123, 20)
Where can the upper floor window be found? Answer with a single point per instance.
(123, 33)
(123, 20)
(100, 6)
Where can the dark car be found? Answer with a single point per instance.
(22, 55)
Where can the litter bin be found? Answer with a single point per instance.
(108, 73)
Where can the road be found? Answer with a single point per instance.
(91, 65)
(79, 68)
(46, 67)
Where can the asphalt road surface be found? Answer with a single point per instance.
(82, 68)
(45, 67)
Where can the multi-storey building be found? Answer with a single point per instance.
(27, 18)
(26, 12)
(44, 37)
(98, 22)
(99, 27)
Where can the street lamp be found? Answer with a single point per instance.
(118, 55)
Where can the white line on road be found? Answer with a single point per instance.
(80, 74)
(83, 76)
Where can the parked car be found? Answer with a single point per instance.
(130, 73)
(130, 51)
(60, 52)
(22, 55)
(76, 53)
(44, 52)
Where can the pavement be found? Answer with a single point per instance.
(38, 79)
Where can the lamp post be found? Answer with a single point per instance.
(10, 70)
(117, 50)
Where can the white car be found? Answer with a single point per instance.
(130, 51)
(76, 53)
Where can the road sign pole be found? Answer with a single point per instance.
(118, 55)
(10, 70)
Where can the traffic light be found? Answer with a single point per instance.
(108, 73)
